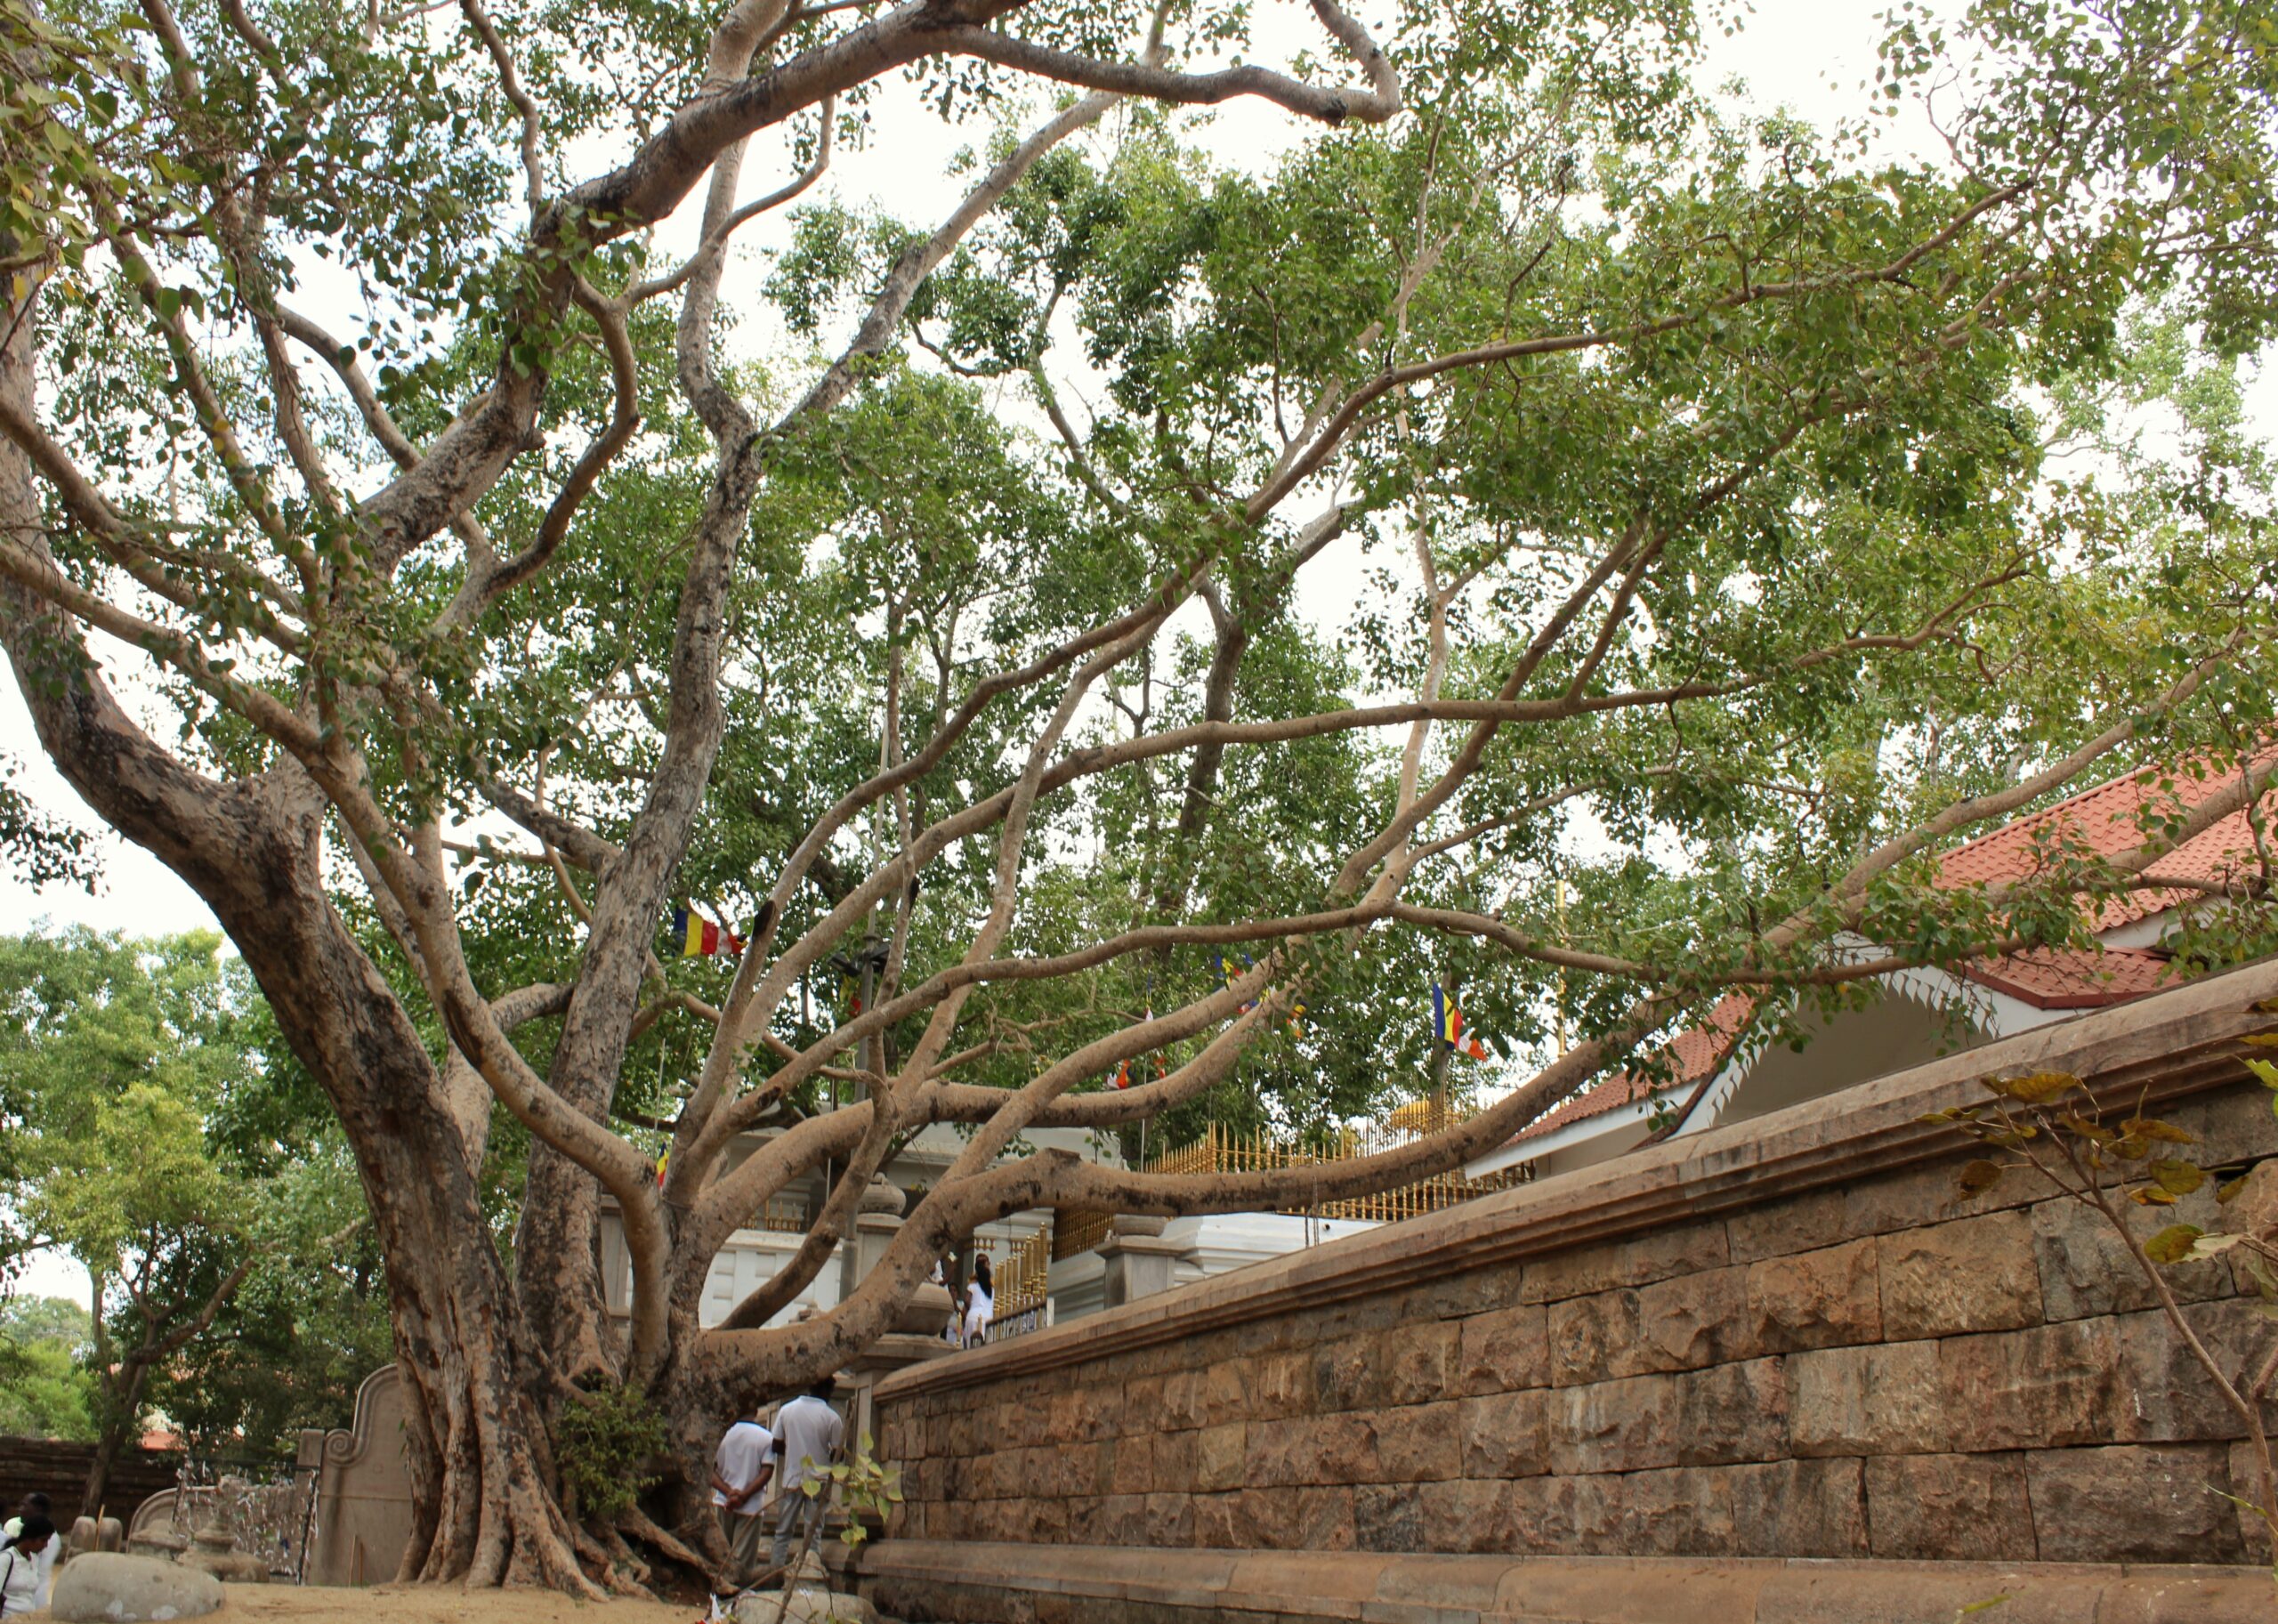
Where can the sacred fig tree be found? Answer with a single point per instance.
(474, 493)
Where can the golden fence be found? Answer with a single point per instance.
(1078, 1230)
(1021, 1277)
(784, 1216)
(1221, 1149)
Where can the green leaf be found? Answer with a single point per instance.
(2036, 1089)
(2172, 1244)
(2227, 1191)
(1979, 1176)
(2179, 1177)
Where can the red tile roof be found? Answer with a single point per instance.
(2073, 978)
(2108, 820)
(1695, 1053)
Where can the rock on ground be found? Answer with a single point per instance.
(101, 1588)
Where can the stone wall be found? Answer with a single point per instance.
(1789, 1338)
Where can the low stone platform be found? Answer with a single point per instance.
(970, 1583)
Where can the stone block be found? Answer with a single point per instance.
(1170, 1519)
(1634, 1260)
(2134, 1503)
(1423, 1368)
(1793, 1223)
(2254, 1532)
(1418, 1443)
(2166, 1395)
(1292, 1519)
(1124, 1516)
(1339, 1448)
(1798, 1508)
(1131, 1466)
(1506, 1435)
(1699, 1417)
(1676, 1324)
(2086, 1269)
(1279, 1385)
(1975, 1274)
(1183, 1403)
(1388, 1517)
(1624, 1426)
(1888, 1399)
(2232, 1125)
(1176, 1462)
(1228, 1392)
(1686, 1511)
(1219, 1453)
(1927, 1195)
(1504, 1350)
(1457, 1297)
(1734, 1412)
(1949, 1509)
(1401, 1364)
(1829, 1297)
(2042, 1388)
(1087, 1520)
(1215, 1522)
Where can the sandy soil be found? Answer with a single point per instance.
(413, 1604)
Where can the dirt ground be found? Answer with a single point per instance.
(414, 1604)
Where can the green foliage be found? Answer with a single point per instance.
(154, 1136)
(864, 1486)
(45, 1390)
(605, 1444)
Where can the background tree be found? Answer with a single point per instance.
(120, 1064)
(1145, 562)
(44, 1389)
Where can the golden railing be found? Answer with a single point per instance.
(1021, 1276)
(784, 1216)
(1078, 1230)
(1221, 1149)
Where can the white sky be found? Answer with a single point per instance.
(1812, 55)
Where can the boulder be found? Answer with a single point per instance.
(102, 1588)
(812, 1601)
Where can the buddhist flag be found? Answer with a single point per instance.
(661, 1162)
(1447, 1026)
(699, 938)
(1123, 1075)
(1227, 976)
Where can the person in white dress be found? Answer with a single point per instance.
(36, 1505)
(23, 1572)
(979, 1304)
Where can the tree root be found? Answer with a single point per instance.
(633, 1520)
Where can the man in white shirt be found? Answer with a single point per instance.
(35, 1505)
(807, 1437)
(739, 1474)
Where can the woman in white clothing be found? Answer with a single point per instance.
(980, 1304)
(20, 1567)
